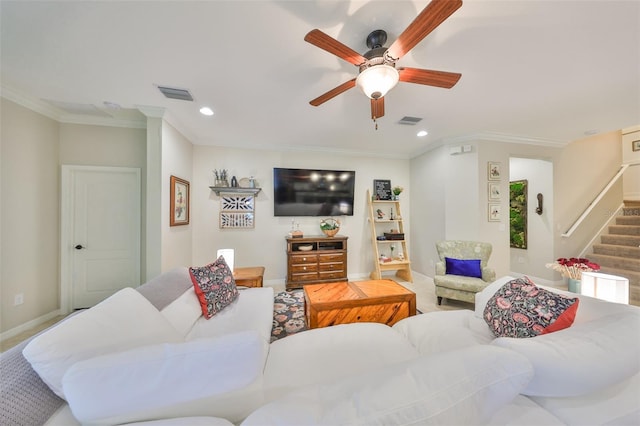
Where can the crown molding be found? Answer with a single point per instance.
(506, 138)
(151, 111)
(29, 102)
(48, 110)
(491, 137)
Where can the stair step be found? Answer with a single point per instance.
(617, 250)
(628, 220)
(634, 282)
(632, 203)
(621, 240)
(616, 262)
(631, 211)
(624, 230)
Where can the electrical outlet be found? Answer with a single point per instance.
(18, 299)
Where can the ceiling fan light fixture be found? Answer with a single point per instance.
(377, 80)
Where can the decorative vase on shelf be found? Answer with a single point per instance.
(330, 227)
(574, 285)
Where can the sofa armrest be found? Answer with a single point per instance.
(440, 268)
(488, 274)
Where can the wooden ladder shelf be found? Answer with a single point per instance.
(384, 216)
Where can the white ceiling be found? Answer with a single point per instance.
(532, 71)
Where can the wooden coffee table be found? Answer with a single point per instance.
(383, 301)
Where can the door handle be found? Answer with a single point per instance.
(79, 247)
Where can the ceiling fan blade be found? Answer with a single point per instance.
(428, 20)
(377, 108)
(331, 45)
(429, 77)
(333, 92)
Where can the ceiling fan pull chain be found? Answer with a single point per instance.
(375, 122)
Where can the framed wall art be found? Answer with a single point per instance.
(237, 211)
(381, 189)
(495, 211)
(518, 213)
(179, 202)
(494, 171)
(494, 191)
(635, 145)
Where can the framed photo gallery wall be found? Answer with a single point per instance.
(494, 197)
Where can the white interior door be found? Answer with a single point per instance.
(100, 233)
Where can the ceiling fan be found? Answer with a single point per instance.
(377, 67)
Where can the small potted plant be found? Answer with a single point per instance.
(397, 190)
(330, 226)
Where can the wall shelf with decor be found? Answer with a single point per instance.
(385, 214)
(237, 206)
(234, 190)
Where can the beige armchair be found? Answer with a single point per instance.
(461, 287)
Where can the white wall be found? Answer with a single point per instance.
(539, 176)
(30, 215)
(454, 190)
(265, 244)
(427, 201)
(177, 160)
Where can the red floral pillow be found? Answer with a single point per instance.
(522, 309)
(215, 286)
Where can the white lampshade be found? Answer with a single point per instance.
(228, 257)
(377, 80)
(606, 287)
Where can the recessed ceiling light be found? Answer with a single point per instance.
(206, 111)
(422, 133)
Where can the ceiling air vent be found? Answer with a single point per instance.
(409, 120)
(173, 93)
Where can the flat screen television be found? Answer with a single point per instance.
(305, 192)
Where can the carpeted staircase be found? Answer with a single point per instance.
(619, 251)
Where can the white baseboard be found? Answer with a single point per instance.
(29, 325)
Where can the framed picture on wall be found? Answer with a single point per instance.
(494, 191)
(495, 212)
(494, 171)
(179, 202)
(635, 145)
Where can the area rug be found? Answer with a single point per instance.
(288, 314)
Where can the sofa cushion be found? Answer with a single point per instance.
(522, 309)
(166, 287)
(214, 285)
(326, 354)
(183, 312)
(186, 421)
(584, 358)
(487, 293)
(444, 331)
(460, 283)
(158, 381)
(459, 387)
(463, 267)
(252, 310)
(123, 321)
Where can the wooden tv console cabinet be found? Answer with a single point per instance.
(325, 261)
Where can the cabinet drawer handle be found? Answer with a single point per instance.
(304, 258)
(304, 268)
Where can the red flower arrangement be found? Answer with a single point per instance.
(573, 267)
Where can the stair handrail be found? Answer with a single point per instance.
(596, 200)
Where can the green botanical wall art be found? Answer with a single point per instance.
(518, 213)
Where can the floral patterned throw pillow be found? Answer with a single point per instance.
(215, 286)
(522, 309)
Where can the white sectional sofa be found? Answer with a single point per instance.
(149, 356)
